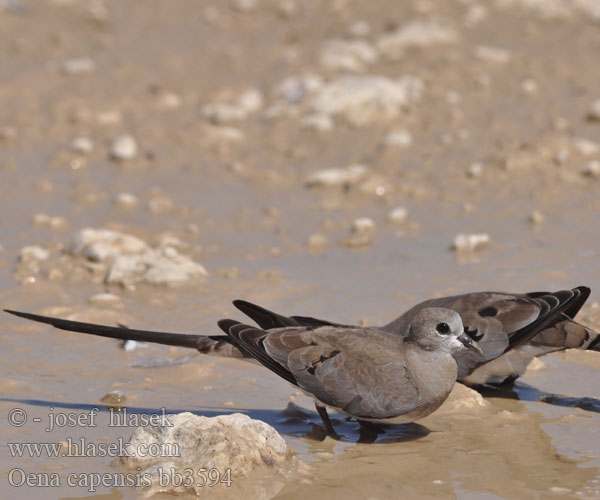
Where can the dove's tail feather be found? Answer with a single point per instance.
(217, 345)
(568, 334)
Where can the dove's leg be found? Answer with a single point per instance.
(322, 411)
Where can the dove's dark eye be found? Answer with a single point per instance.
(443, 328)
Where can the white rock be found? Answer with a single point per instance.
(83, 145)
(470, 242)
(126, 200)
(78, 66)
(234, 443)
(333, 177)
(347, 55)
(124, 148)
(398, 215)
(492, 54)
(363, 224)
(100, 244)
(594, 111)
(592, 169)
(586, 147)
(529, 86)
(172, 268)
(239, 109)
(130, 260)
(475, 170)
(33, 253)
(362, 100)
(399, 138)
(415, 34)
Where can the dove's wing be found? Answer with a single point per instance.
(500, 322)
(268, 319)
(360, 371)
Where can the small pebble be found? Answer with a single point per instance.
(83, 145)
(470, 242)
(398, 215)
(169, 100)
(317, 242)
(78, 66)
(126, 200)
(586, 147)
(337, 176)
(114, 398)
(400, 138)
(529, 86)
(475, 170)
(594, 111)
(124, 148)
(536, 218)
(591, 169)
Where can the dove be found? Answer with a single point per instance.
(495, 319)
(368, 373)
(508, 330)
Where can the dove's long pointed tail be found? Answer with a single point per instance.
(218, 345)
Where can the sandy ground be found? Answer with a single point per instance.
(475, 117)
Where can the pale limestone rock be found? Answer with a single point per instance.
(128, 260)
(82, 145)
(234, 443)
(398, 215)
(334, 177)
(470, 242)
(78, 66)
(124, 148)
(362, 100)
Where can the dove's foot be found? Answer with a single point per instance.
(329, 430)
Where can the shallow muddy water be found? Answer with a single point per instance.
(508, 86)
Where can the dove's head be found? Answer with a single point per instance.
(439, 329)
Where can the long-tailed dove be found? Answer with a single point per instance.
(318, 356)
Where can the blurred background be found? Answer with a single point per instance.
(343, 159)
